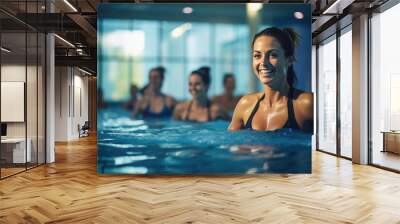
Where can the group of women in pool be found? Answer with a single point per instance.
(279, 105)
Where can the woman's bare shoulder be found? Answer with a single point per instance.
(245, 103)
(182, 105)
(305, 104)
(170, 100)
(142, 101)
(305, 99)
(249, 99)
(240, 113)
(169, 97)
(216, 107)
(179, 109)
(216, 99)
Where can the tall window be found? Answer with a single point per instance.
(327, 95)
(346, 93)
(385, 84)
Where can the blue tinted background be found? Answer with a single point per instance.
(133, 38)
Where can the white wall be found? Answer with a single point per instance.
(71, 102)
(11, 73)
(79, 112)
(62, 81)
(33, 127)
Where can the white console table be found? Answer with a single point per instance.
(18, 149)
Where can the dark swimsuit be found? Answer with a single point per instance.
(165, 112)
(290, 123)
(186, 118)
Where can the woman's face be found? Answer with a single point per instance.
(229, 85)
(196, 86)
(269, 62)
(155, 79)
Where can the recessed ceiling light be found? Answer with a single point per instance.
(70, 5)
(180, 30)
(5, 50)
(187, 10)
(64, 40)
(84, 71)
(298, 15)
(254, 7)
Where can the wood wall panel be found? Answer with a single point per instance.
(93, 103)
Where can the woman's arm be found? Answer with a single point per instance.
(237, 122)
(171, 103)
(136, 110)
(218, 112)
(216, 100)
(178, 111)
(138, 107)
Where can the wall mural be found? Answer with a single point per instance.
(204, 88)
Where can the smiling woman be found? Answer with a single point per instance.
(280, 105)
(200, 108)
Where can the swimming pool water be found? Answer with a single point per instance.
(127, 146)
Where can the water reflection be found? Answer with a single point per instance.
(130, 159)
(172, 147)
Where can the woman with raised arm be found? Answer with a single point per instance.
(154, 103)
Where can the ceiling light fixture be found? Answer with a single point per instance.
(187, 10)
(254, 7)
(5, 50)
(334, 7)
(180, 30)
(65, 41)
(84, 71)
(79, 51)
(70, 5)
(298, 15)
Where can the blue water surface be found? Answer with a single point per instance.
(127, 146)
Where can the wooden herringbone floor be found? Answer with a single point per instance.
(70, 191)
